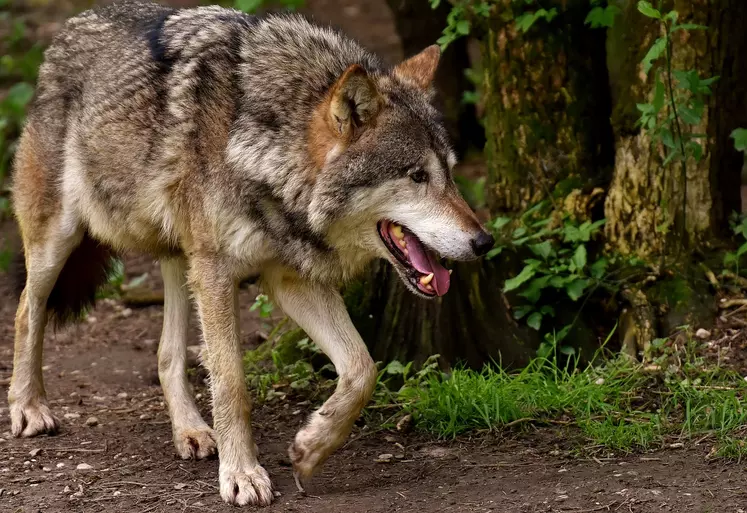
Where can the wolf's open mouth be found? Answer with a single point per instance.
(422, 265)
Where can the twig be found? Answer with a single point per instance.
(728, 303)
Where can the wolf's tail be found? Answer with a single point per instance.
(74, 292)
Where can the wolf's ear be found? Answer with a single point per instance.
(420, 69)
(354, 102)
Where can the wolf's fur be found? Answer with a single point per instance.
(225, 145)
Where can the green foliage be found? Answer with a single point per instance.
(732, 259)
(678, 100)
(526, 20)
(18, 69)
(740, 139)
(263, 304)
(559, 260)
(602, 16)
(460, 19)
(252, 6)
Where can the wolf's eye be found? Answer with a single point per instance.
(419, 176)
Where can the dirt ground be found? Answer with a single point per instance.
(106, 368)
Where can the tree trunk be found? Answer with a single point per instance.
(547, 107)
(418, 27)
(547, 120)
(651, 211)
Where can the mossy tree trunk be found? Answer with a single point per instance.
(547, 120)
(652, 212)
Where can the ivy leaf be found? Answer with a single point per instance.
(579, 257)
(740, 139)
(534, 321)
(576, 288)
(648, 10)
(653, 53)
(526, 274)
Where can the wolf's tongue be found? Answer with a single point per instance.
(425, 262)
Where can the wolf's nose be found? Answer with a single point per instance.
(482, 243)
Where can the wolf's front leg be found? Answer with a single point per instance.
(242, 479)
(320, 311)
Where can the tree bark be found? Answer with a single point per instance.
(651, 211)
(547, 107)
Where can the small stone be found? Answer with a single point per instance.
(47, 469)
(92, 421)
(84, 466)
(384, 458)
(144, 416)
(34, 452)
(99, 398)
(26, 463)
(702, 334)
(91, 319)
(599, 381)
(117, 493)
(276, 493)
(180, 486)
(126, 312)
(122, 395)
(72, 415)
(66, 490)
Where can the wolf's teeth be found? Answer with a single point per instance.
(425, 280)
(397, 231)
(428, 287)
(451, 271)
(406, 253)
(403, 243)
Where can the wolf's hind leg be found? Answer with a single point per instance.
(45, 257)
(320, 311)
(193, 438)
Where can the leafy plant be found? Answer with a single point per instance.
(740, 139)
(559, 261)
(677, 104)
(738, 225)
(602, 16)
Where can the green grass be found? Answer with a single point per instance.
(618, 406)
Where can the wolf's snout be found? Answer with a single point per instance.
(482, 243)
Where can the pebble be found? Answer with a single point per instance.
(99, 398)
(180, 486)
(703, 334)
(92, 421)
(46, 469)
(126, 312)
(34, 452)
(66, 490)
(117, 493)
(84, 466)
(72, 415)
(384, 458)
(122, 395)
(26, 463)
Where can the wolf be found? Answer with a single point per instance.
(225, 146)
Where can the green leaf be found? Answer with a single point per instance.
(576, 288)
(519, 232)
(658, 102)
(494, 252)
(654, 53)
(500, 222)
(696, 149)
(463, 27)
(742, 250)
(534, 321)
(18, 97)
(600, 17)
(571, 233)
(547, 310)
(598, 268)
(740, 139)
(691, 116)
(395, 368)
(648, 10)
(533, 291)
(667, 139)
(521, 311)
(542, 250)
(579, 257)
(567, 350)
(513, 283)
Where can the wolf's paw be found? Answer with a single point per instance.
(195, 443)
(32, 419)
(250, 486)
(309, 451)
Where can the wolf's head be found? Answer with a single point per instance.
(385, 179)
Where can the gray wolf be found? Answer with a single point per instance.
(227, 145)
